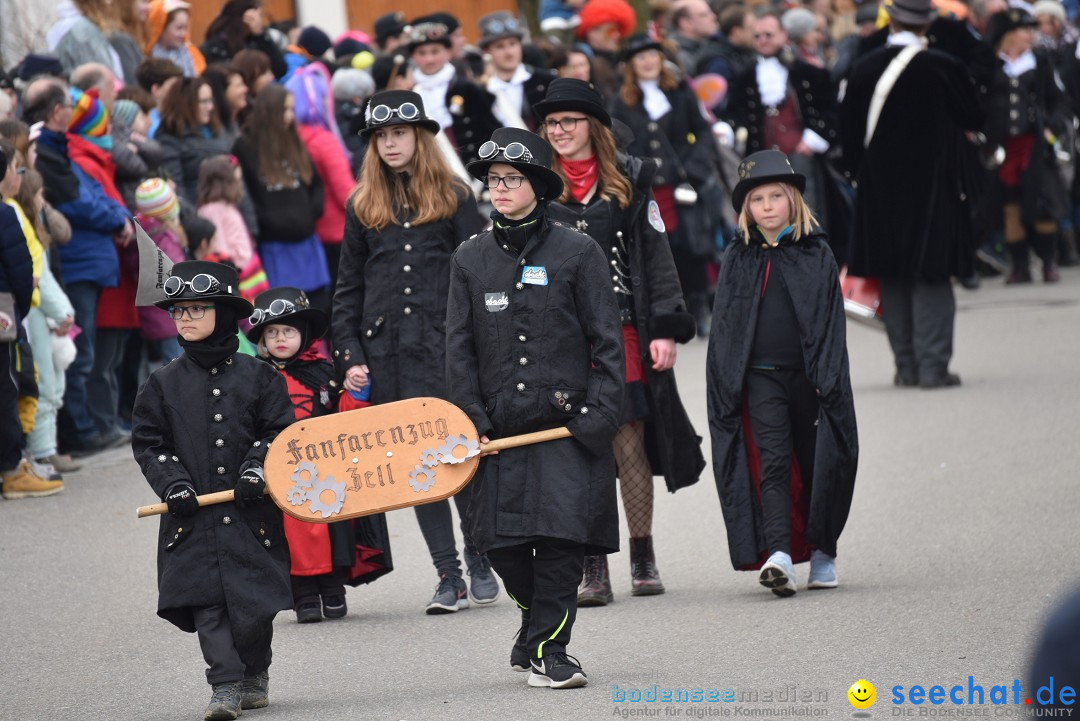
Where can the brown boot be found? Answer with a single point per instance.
(595, 587)
(644, 577)
(23, 483)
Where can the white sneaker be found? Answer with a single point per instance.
(778, 575)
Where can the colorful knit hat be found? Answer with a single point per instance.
(156, 199)
(90, 118)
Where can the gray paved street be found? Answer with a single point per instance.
(961, 538)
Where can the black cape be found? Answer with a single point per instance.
(823, 497)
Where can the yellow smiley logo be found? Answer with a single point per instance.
(862, 694)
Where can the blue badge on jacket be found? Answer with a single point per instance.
(534, 275)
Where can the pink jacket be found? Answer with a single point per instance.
(332, 164)
(232, 238)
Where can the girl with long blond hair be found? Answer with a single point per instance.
(403, 221)
(608, 195)
(784, 439)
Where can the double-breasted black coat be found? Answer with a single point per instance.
(525, 357)
(204, 427)
(659, 312)
(808, 271)
(389, 308)
(470, 106)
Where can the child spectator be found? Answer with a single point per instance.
(159, 215)
(221, 188)
(167, 36)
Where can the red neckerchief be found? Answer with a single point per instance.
(581, 174)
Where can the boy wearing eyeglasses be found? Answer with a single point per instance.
(533, 342)
(202, 424)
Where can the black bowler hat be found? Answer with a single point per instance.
(286, 305)
(203, 280)
(911, 12)
(392, 107)
(570, 94)
(762, 168)
(499, 26)
(389, 25)
(524, 151)
(451, 22)
(1001, 24)
(639, 43)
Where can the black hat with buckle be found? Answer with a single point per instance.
(203, 280)
(499, 26)
(1002, 23)
(286, 305)
(523, 151)
(762, 168)
(422, 32)
(396, 107)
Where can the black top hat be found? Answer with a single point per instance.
(1001, 24)
(203, 280)
(422, 33)
(392, 107)
(499, 26)
(286, 305)
(451, 22)
(911, 12)
(572, 94)
(762, 168)
(533, 159)
(388, 26)
(639, 43)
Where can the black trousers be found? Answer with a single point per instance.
(219, 649)
(308, 589)
(783, 409)
(437, 524)
(919, 320)
(11, 434)
(542, 577)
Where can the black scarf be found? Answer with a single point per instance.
(220, 344)
(516, 233)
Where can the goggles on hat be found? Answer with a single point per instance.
(202, 284)
(509, 25)
(513, 151)
(405, 111)
(276, 308)
(428, 31)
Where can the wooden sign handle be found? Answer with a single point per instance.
(525, 439)
(209, 499)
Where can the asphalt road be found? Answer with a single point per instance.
(960, 541)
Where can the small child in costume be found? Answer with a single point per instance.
(202, 424)
(781, 413)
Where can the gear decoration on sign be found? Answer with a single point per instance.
(312, 474)
(421, 479)
(297, 495)
(315, 496)
(429, 458)
(446, 453)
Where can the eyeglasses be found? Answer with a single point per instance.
(200, 285)
(382, 113)
(567, 125)
(195, 312)
(288, 332)
(513, 151)
(512, 182)
(509, 25)
(278, 307)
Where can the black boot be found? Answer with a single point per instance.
(1045, 246)
(1021, 270)
(595, 583)
(225, 703)
(1068, 256)
(255, 691)
(644, 577)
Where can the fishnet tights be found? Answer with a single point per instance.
(635, 478)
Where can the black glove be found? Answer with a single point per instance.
(181, 500)
(251, 486)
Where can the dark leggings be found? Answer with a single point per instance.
(783, 411)
(437, 524)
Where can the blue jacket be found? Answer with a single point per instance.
(90, 256)
(16, 270)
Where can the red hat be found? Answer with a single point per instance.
(598, 12)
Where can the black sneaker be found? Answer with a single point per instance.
(225, 703)
(255, 691)
(309, 612)
(334, 606)
(519, 654)
(450, 595)
(483, 586)
(557, 670)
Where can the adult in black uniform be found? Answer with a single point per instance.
(517, 87)
(202, 424)
(608, 195)
(402, 223)
(533, 342)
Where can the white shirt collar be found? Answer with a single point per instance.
(772, 79)
(904, 38)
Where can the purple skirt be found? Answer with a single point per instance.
(301, 265)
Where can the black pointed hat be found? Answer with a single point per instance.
(286, 305)
(762, 168)
(391, 107)
(534, 161)
(203, 280)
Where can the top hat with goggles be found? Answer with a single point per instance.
(499, 26)
(764, 168)
(288, 306)
(396, 107)
(203, 280)
(523, 151)
(422, 33)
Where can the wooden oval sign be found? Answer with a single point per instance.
(372, 460)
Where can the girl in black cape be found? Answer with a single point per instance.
(781, 413)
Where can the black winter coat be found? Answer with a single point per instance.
(809, 273)
(659, 312)
(16, 268)
(470, 106)
(183, 156)
(204, 427)
(389, 307)
(525, 357)
(285, 214)
(216, 50)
